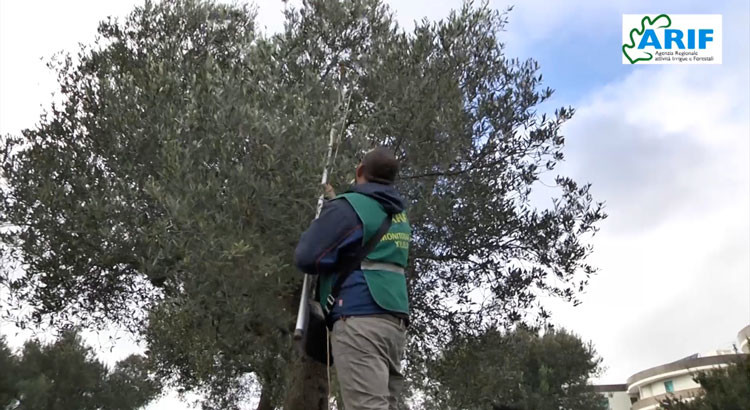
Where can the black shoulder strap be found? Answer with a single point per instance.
(353, 264)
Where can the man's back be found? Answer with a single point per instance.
(337, 235)
(370, 313)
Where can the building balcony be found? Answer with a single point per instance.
(649, 387)
(652, 403)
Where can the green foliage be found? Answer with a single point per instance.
(66, 375)
(168, 189)
(8, 363)
(516, 370)
(724, 389)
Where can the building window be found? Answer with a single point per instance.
(669, 386)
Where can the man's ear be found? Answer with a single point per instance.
(360, 171)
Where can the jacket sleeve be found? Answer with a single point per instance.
(329, 236)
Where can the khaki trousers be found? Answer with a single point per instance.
(367, 355)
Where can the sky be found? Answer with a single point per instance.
(667, 147)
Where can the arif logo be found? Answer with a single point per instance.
(671, 39)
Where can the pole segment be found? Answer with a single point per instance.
(333, 141)
(307, 284)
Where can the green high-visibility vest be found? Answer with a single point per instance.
(388, 288)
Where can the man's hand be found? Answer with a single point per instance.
(328, 192)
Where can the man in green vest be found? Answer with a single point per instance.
(371, 312)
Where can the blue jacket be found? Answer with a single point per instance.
(335, 236)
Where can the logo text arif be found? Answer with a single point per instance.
(687, 39)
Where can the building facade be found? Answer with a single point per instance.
(646, 389)
(650, 387)
(615, 396)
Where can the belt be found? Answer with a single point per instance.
(390, 267)
(402, 322)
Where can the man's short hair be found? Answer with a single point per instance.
(380, 165)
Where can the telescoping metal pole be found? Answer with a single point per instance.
(333, 141)
(307, 284)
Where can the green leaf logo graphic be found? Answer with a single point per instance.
(630, 51)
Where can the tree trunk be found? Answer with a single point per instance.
(265, 400)
(308, 385)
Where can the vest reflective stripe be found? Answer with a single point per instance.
(390, 267)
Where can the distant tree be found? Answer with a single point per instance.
(9, 366)
(65, 375)
(516, 370)
(723, 389)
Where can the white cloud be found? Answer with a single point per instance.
(534, 22)
(668, 149)
(31, 31)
